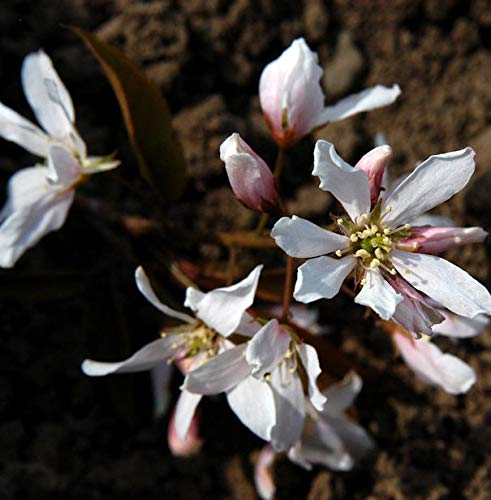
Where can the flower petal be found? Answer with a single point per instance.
(300, 238)
(459, 326)
(374, 164)
(184, 413)
(192, 445)
(341, 395)
(143, 284)
(145, 358)
(434, 367)
(263, 477)
(15, 128)
(434, 181)
(219, 374)
(267, 348)
(347, 184)
(310, 362)
(321, 278)
(366, 100)
(444, 282)
(290, 408)
(253, 402)
(378, 295)
(64, 168)
(160, 377)
(222, 309)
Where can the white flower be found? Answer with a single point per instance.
(39, 197)
(196, 342)
(292, 98)
(372, 245)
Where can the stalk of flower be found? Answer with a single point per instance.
(292, 98)
(375, 243)
(39, 197)
(194, 343)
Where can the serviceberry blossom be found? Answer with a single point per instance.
(377, 243)
(39, 197)
(292, 98)
(196, 342)
(271, 366)
(250, 177)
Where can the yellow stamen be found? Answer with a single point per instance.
(339, 253)
(375, 263)
(362, 253)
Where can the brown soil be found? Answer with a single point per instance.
(65, 436)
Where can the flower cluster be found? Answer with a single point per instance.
(269, 362)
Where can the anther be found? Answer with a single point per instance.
(339, 253)
(407, 226)
(174, 345)
(379, 254)
(362, 253)
(267, 377)
(353, 238)
(415, 246)
(388, 208)
(169, 361)
(340, 222)
(364, 217)
(393, 272)
(374, 263)
(363, 282)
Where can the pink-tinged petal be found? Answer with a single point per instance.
(377, 294)
(143, 284)
(432, 366)
(47, 95)
(267, 348)
(263, 477)
(23, 228)
(415, 313)
(435, 240)
(160, 376)
(289, 88)
(184, 413)
(253, 402)
(347, 184)
(366, 100)
(251, 179)
(373, 164)
(222, 309)
(219, 374)
(15, 128)
(302, 239)
(310, 362)
(290, 408)
(64, 168)
(444, 282)
(459, 326)
(321, 278)
(341, 395)
(146, 358)
(434, 181)
(193, 443)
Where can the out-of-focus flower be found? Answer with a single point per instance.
(188, 447)
(263, 477)
(373, 244)
(196, 342)
(292, 98)
(39, 197)
(250, 177)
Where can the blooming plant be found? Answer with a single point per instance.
(281, 376)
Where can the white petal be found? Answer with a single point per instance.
(185, 409)
(434, 181)
(248, 325)
(434, 367)
(144, 359)
(267, 348)
(444, 282)
(15, 128)
(24, 227)
(432, 220)
(340, 396)
(321, 278)
(366, 100)
(459, 326)
(160, 376)
(63, 166)
(253, 402)
(290, 408)
(143, 284)
(378, 295)
(303, 239)
(310, 362)
(47, 95)
(222, 308)
(347, 184)
(219, 374)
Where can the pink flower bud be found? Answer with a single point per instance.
(251, 179)
(263, 477)
(373, 164)
(435, 240)
(191, 446)
(290, 93)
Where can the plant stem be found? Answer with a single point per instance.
(287, 289)
(262, 224)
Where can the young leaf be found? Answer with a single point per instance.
(147, 118)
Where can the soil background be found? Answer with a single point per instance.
(64, 436)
